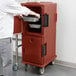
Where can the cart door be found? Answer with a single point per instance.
(17, 25)
(32, 49)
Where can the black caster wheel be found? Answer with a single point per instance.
(33, 67)
(26, 66)
(52, 63)
(15, 67)
(41, 71)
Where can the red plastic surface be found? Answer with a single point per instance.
(32, 49)
(17, 25)
(32, 41)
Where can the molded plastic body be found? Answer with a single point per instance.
(38, 45)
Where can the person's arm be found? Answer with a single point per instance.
(15, 8)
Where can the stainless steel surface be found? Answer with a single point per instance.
(34, 26)
(30, 19)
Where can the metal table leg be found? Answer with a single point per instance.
(15, 66)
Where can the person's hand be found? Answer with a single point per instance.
(20, 16)
(31, 13)
(35, 14)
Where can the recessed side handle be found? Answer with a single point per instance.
(56, 17)
(43, 50)
(45, 20)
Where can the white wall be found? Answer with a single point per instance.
(21, 1)
(66, 30)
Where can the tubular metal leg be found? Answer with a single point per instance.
(15, 66)
(16, 48)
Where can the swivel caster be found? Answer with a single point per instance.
(52, 63)
(26, 66)
(41, 71)
(15, 67)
